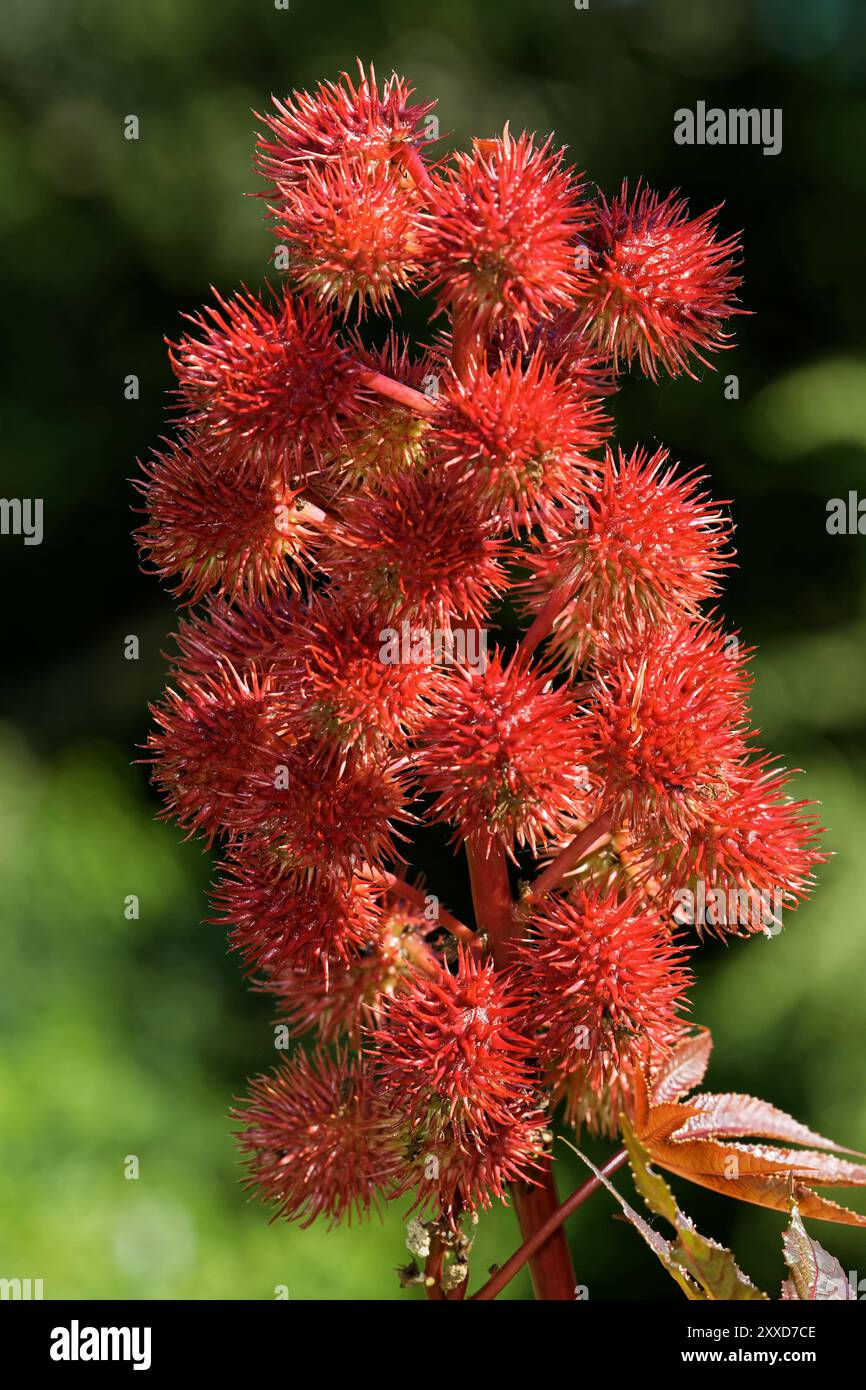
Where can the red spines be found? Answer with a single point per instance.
(745, 862)
(453, 1064)
(316, 1140)
(340, 676)
(351, 230)
(243, 635)
(267, 377)
(643, 543)
(417, 549)
(521, 435)
(605, 981)
(316, 811)
(280, 920)
(665, 726)
(450, 1048)
(499, 237)
(212, 735)
(452, 1179)
(345, 994)
(218, 526)
(352, 519)
(339, 121)
(659, 284)
(501, 753)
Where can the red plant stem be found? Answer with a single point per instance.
(466, 344)
(433, 1269)
(550, 1261)
(416, 167)
(590, 838)
(421, 899)
(496, 917)
(491, 894)
(545, 619)
(552, 1271)
(398, 391)
(502, 1276)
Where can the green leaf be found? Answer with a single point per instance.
(649, 1183)
(664, 1249)
(711, 1269)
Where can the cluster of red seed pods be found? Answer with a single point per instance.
(322, 494)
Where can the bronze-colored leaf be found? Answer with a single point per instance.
(696, 1141)
(816, 1275)
(683, 1069)
(722, 1115)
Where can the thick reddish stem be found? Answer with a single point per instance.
(502, 1276)
(433, 1269)
(491, 893)
(467, 343)
(550, 1262)
(399, 391)
(552, 1271)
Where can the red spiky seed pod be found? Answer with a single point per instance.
(351, 231)
(339, 672)
(596, 1101)
(281, 921)
(521, 436)
(660, 284)
(317, 811)
(417, 550)
(338, 121)
(666, 723)
(349, 996)
(501, 753)
(605, 981)
(269, 378)
(455, 1178)
(245, 636)
(316, 1139)
(643, 542)
(449, 1052)
(499, 237)
(212, 733)
(748, 860)
(217, 526)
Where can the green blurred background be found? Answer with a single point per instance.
(128, 1037)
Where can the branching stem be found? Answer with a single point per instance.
(443, 916)
(502, 1276)
(399, 391)
(591, 838)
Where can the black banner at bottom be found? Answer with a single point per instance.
(78, 1339)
